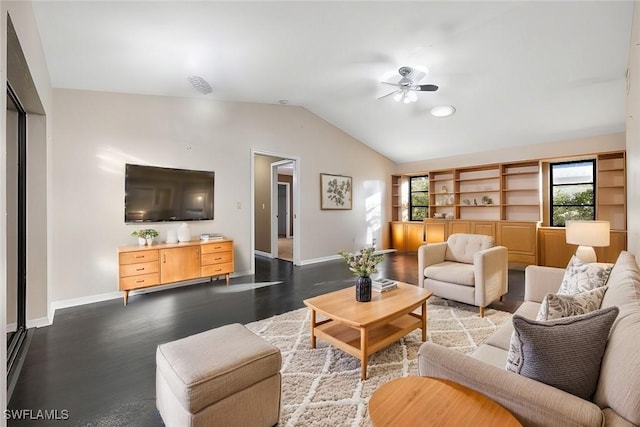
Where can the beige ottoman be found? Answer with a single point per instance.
(223, 377)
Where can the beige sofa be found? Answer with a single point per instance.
(616, 401)
(467, 268)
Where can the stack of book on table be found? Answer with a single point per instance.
(383, 285)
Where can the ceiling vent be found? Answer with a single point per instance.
(200, 84)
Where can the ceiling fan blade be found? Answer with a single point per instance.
(426, 88)
(387, 83)
(389, 94)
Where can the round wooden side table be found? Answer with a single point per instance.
(423, 401)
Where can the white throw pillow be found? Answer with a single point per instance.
(559, 306)
(581, 277)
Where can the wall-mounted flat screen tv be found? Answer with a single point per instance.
(154, 194)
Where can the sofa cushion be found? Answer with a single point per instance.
(558, 306)
(564, 353)
(619, 384)
(452, 272)
(581, 277)
(462, 247)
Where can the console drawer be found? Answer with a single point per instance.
(217, 269)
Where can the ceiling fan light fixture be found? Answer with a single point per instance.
(443, 111)
(398, 96)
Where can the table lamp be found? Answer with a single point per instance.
(587, 234)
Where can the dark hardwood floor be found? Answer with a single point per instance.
(97, 361)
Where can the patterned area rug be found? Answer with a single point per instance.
(322, 386)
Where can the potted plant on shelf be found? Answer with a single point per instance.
(149, 235)
(140, 235)
(363, 264)
(145, 236)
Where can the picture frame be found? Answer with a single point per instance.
(336, 192)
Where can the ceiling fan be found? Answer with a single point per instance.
(407, 85)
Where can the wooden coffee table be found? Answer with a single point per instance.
(424, 401)
(362, 328)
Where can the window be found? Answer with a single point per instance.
(572, 191)
(418, 198)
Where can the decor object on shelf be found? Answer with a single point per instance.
(466, 202)
(335, 192)
(172, 236)
(145, 236)
(486, 200)
(587, 234)
(363, 264)
(184, 232)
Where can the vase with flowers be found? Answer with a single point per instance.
(363, 264)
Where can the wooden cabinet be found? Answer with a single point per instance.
(556, 252)
(611, 194)
(442, 196)
(179, 264)
(407, 236)
(144, 266)
(478, 192)
(518, 236)
(138, 269)
(217, 259)
(396, 197)
(521, 191)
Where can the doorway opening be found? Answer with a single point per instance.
(276, 206)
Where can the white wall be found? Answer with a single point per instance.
(96, 133)
(574, 147)
(633, 137)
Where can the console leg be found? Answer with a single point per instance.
(126, 297)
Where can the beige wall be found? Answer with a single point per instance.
(572, 147)
(633, 137)
(96, 133)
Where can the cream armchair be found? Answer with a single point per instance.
(467, 268)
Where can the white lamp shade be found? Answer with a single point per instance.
(588, 233)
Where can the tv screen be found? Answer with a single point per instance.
(154, 194)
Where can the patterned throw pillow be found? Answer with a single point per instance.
(564, 353)
(558, 306)
(581, 277)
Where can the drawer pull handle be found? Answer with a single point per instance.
(139, 256)
(217, 259)
(140, 269)
(217, 247)
(139, 281)
(219, 269)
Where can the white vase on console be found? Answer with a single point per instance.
(184, 232)
(172, 236)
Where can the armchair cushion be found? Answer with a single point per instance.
(462, 247)
(452, 272)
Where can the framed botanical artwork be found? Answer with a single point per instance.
(335, 192)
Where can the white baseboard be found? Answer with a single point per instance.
(335, 257)
(33, 323)
(263, 254)
(73, 302)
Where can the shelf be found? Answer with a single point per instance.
(519, 173)
(520, 189)
(492, 178)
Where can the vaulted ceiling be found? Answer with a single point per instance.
(518, 73)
